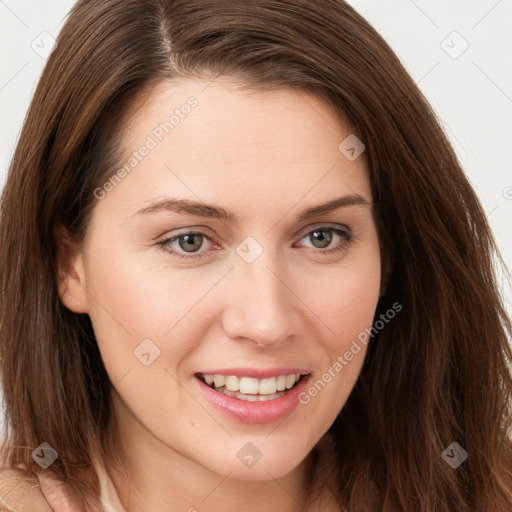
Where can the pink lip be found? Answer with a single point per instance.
(255, 372)
(255, 412)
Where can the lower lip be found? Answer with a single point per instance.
(255, 412)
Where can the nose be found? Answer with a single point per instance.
(261, 305)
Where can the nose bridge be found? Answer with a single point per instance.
(261, 307)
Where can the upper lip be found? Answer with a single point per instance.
(256, 373)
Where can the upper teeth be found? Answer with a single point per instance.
(252, 385)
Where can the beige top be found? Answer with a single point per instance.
(20, 492)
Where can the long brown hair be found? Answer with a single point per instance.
(435, 375)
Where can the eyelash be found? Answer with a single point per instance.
(346, 235)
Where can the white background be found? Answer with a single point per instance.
(471, 92)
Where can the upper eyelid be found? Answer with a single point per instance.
(303, 232)
(327, 225)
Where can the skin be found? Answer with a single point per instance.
(290, 307)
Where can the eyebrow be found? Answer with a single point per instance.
(211, 211)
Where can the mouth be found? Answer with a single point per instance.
(250, 389)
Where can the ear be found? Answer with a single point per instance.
(70, 272)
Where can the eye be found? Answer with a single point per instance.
(187, 245)
(318, 236)
(187, 242)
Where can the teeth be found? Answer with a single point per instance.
(251, 398)
(232, 383)
(248, 385)
(281, 382)
(219, 380)
(290, 381)
(252, 386)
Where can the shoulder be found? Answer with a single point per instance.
(21, 492)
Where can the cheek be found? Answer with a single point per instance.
(344, 301)
(352, 303)
(344, 296)
(345, 310)
(145, 290)
(136, 296)
(133, 308)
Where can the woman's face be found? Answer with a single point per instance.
(260, 288)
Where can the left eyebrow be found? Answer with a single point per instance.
(211, 211)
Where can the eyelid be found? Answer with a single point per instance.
(321, 225)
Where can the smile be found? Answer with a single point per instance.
(245, 403)
(251, 389)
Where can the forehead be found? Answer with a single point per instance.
(228, 119)
(210, 140)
